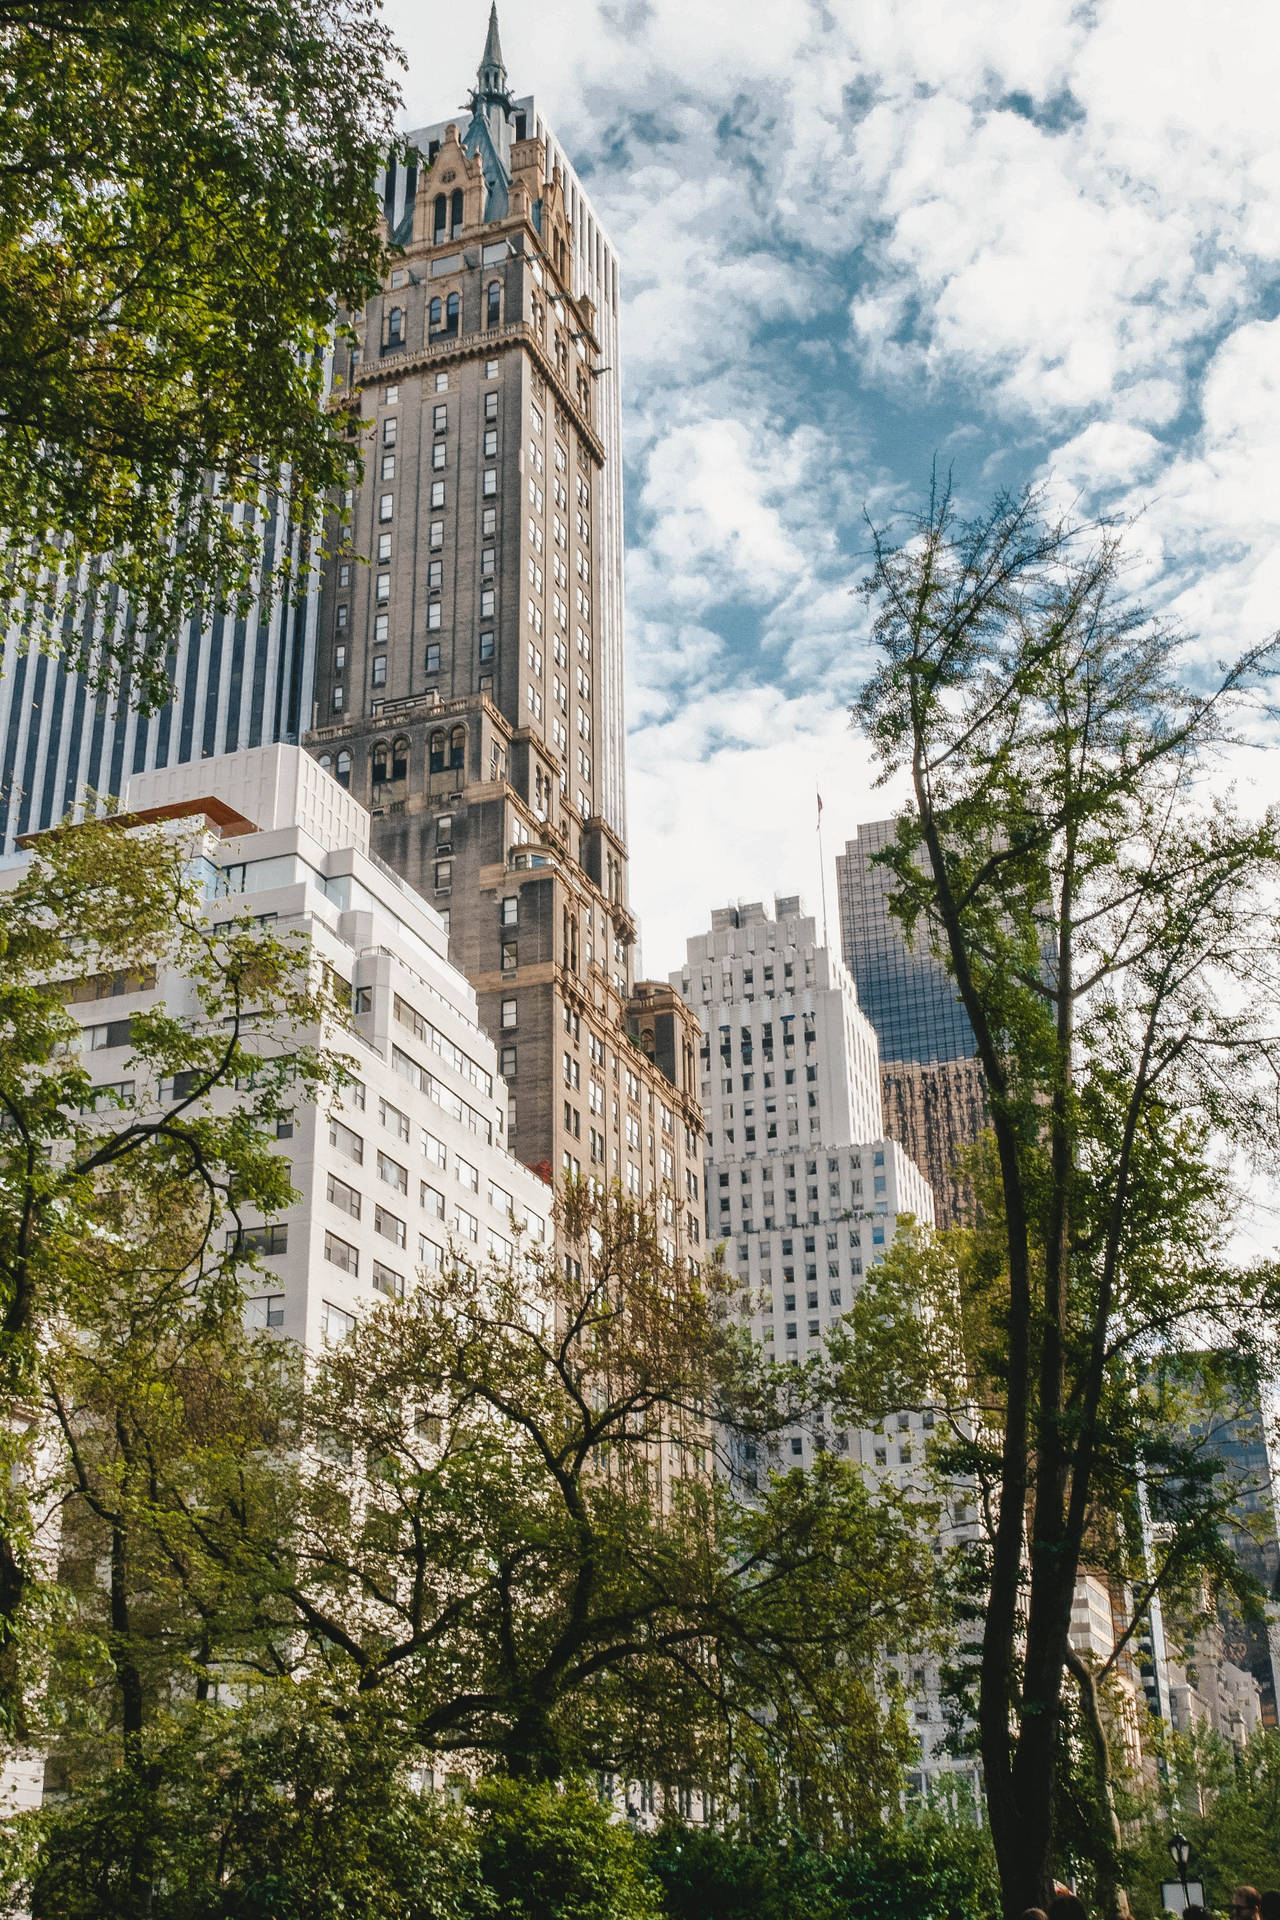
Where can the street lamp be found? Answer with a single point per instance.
(1180, 1852)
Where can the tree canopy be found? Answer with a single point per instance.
(186, 205)
(1111, 924)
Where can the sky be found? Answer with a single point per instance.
(1032, 245)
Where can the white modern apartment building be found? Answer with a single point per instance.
(411, 1160)
(803, 1188)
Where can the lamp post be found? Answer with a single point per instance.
(1180, 1851)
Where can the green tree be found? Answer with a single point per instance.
(121, 1201)
(1111, 929)
(557, 1853)
(514, 1534)
(264, 1809)
(186, 205)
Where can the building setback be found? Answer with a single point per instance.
(469, 643)
(804, 1188)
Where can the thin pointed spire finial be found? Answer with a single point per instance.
(491, 75)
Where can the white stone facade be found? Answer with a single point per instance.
(411, 1159)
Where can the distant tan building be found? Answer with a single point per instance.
(936, 1111)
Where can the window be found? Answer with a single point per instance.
(335, 1324)
(387, 1281)
(386, 506)
(342, 1254)
(491, 406)
(439, 418)
(432, 1199)
(486, 603)
(444, 832)
(263, 1240)
(510, 909)
(347, 1143)
(465, 1174)
(439, 223)
(392, 395)
(379, 673)
(493, 304)
(455, 217)
(344, 574)
(510, 1013)
(435, 616)
(266, 1311)
(451, 307)
(389, 1225)
(393, 1173)
(437, 494)
(400, 759)
(491, 443)
(395, 326)
(439, 455)
(435, 314)
(507, 1062)
(438, 738)
(442, 383)
(384, 546)
(342, 766)
(486, 646)
(443, 876)
(458, 747)
(380, 626)
(433, 1149)
(490, 485)
(340, 1195)
(489, 522)
(436, 537)
(388, 469)
(433, 666)
(509, 959)
(490, 369)
(390, 428)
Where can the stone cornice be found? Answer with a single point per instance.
(479, 346)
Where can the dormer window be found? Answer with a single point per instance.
(395, 326)
(440, 217)
(455, 212)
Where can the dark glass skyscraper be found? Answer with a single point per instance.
(907, 995)
(931, 1084)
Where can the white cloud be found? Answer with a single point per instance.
(855, 232)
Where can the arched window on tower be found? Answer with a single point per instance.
(435, 314)
(342, 771)
(400, 759)
(440, 217)
(493, 304)
(458, 747)
(455, 212)
(395, 326)
(438, 747)
(451, 313)
(326, 761)
(380, 763)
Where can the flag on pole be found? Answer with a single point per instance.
(819, 809)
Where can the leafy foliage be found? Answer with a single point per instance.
(515, 1534)
(1114, 940)
(120, 1211)
(186, 202)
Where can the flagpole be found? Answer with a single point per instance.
(822, 875)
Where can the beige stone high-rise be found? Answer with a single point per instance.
(469, 664)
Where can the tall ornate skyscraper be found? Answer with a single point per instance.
(468, 677)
